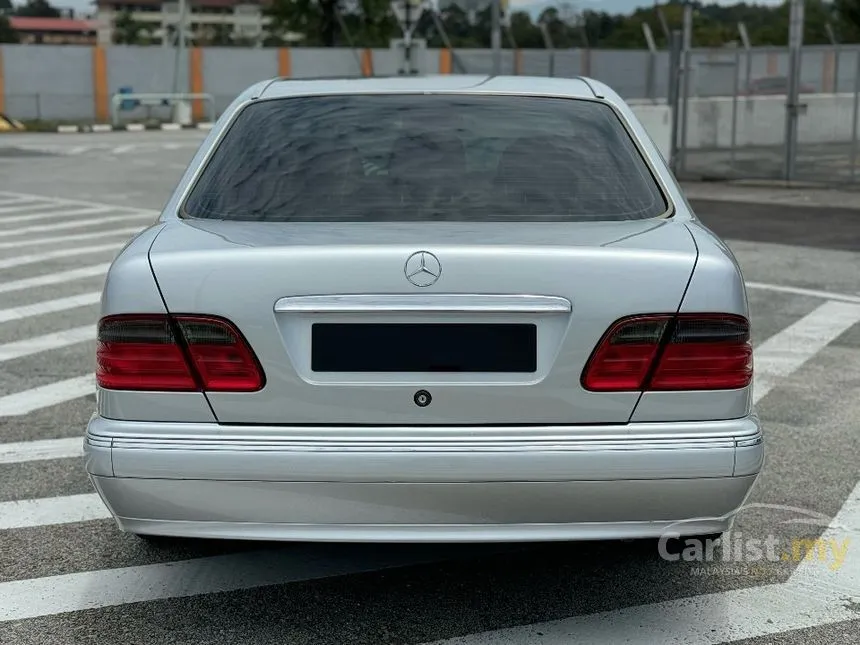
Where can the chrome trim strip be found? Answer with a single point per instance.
(447, 303)
(748, 442)
(414, 445)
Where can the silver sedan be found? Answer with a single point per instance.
(445, 308)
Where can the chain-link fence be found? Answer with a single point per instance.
(779, 113)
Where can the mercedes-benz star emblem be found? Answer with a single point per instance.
(422, 269)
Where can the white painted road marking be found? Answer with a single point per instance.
(55, 213)
(36, 258)
(799, 291)
(814, 595)
(13, 405)
(81, 223)
(27, 206)
(65, 202)
(21, 599)
(41, 450)
(786, 351)
(54, 340)
(55, 278)
(52, 510)
(49, 306)
(70, 238)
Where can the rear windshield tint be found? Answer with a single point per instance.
(401, 158)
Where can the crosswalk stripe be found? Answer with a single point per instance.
(49, 511)
(49, 306)
(41, 450)
(46, 342)
(55, 278)
(22, 599)
(54, 213)
(70, 238)
(81, 223)
(35, 258)
(785, 352)
(44, 396)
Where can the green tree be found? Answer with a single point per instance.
(7, 34)
(128, 31)
(315, 20)
(38, 9)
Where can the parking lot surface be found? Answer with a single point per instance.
(68, 576)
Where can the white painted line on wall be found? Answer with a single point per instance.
(128, 231)
(22, 599)
(46, 342)
(799, 291)
(49, 511)
(67, 129)
(44, 396)
(76, 224)
(41, 450)
(785, 352)
(101, 127)
(55, 213)
(55, 278)
(814, 595)
(49, 306)
(35, 258)
(135, 127)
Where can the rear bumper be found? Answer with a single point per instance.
(424, 484)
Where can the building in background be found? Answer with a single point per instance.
(54, 31)
(208, 20)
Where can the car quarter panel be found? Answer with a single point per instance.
(130, 288)
(717, 285)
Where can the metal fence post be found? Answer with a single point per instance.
(856, 109)
(674, 94)
(686, 81)
(792, 108)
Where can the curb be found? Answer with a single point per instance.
(131, 127)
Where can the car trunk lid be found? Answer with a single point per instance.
(501, 335)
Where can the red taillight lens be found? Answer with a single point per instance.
(706, 353)
(624, 357)
(221, 356)
(668, 353)
(182, 354)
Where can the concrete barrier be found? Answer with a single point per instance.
(760, 121)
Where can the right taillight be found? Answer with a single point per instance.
(672, 352)
(186, 353)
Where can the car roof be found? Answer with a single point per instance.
(579, 87)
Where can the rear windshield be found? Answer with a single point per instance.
(398, 158)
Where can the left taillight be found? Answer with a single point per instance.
(184, 353)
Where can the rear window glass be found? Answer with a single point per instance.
(436, 157)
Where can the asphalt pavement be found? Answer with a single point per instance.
(68, 576)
